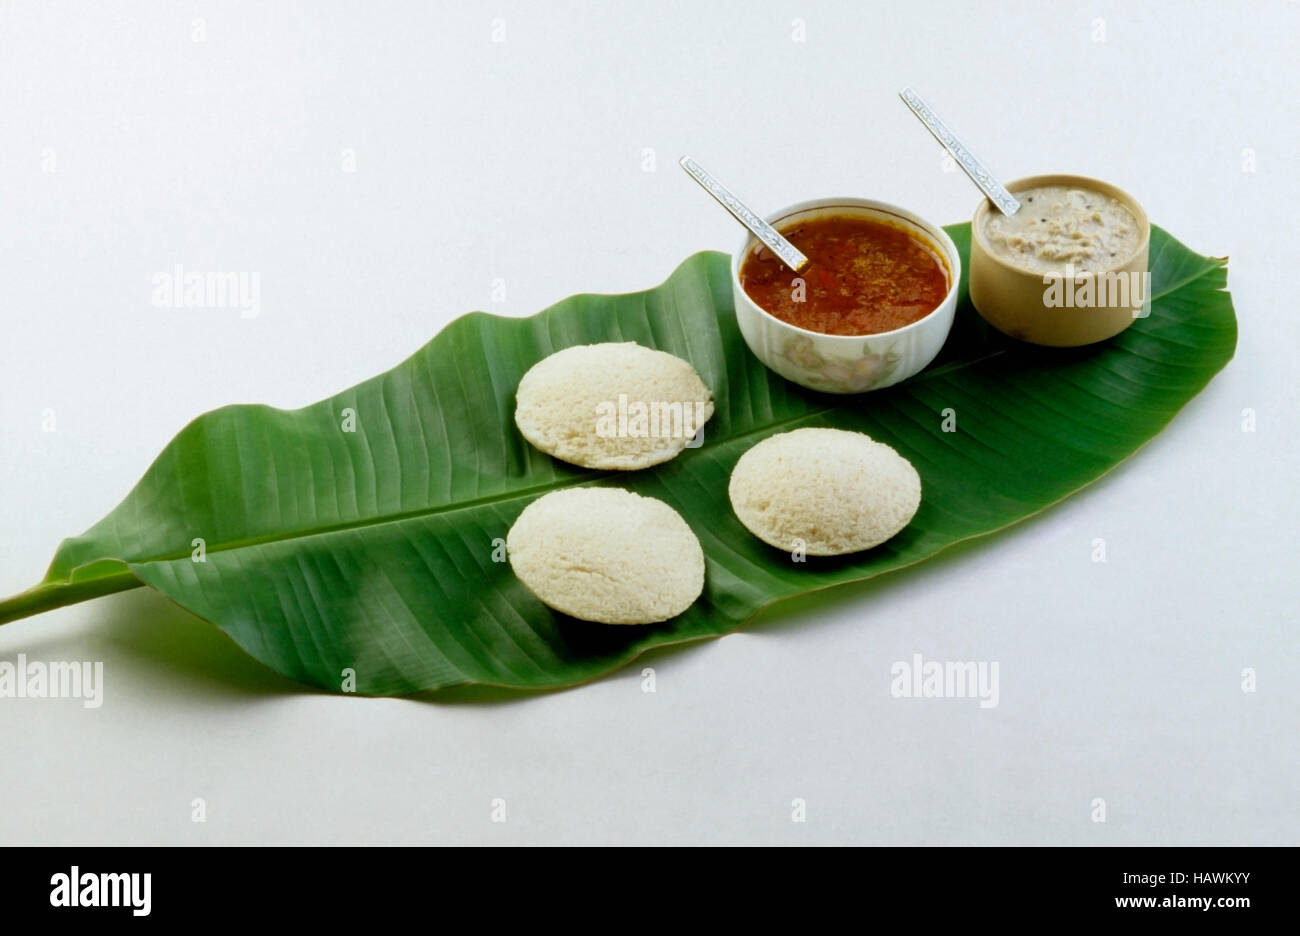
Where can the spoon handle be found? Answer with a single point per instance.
(969, 164)
(787, 252)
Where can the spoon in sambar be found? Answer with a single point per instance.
(785, 251)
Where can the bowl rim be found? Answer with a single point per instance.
(934, 232)
(1061, 178)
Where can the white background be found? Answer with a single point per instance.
(523, 160)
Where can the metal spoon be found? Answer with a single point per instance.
(990, 186)
(785, 251)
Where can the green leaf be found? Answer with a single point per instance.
(373, 550)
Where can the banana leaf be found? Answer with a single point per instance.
(357, 544)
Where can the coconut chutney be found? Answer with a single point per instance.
(1060, 225)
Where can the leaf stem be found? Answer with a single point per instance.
(50, 595)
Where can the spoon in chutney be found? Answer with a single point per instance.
(785, 251)
(1004, 200)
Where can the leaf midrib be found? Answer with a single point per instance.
(507, 496)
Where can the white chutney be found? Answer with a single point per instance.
(1059, 226)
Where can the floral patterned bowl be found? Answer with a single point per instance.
(848, 363)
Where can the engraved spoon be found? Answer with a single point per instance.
(785, 251)
(990, 186)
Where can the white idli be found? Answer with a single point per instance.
(607, 555)
(616, 405)
(824, 491)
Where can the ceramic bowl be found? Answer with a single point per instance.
(1025, 305)
(848, 363)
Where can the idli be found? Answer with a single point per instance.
(607, 555)
(616, 405)
(824, 491)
